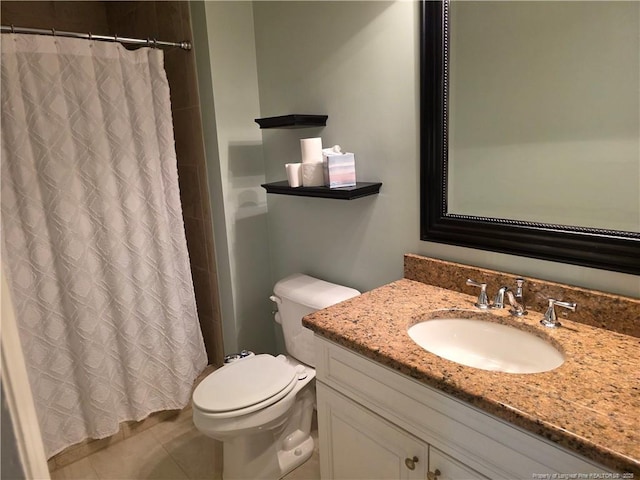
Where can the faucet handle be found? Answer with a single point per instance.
(483, 300)
(550, 319)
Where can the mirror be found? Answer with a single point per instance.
(488, 127)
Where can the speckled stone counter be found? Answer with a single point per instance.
(595, 308)
(590, 404)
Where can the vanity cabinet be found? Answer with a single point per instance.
(361, 445)
(375, 422)
(443, 467)
(365, 446)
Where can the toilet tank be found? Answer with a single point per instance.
(299, 295)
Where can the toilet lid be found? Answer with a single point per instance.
(244, 383)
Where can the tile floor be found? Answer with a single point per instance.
(173, 449)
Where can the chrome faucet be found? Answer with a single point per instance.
(483, 300)
(520, 292)
(518, 308)
(498, 300)
(516, 300)
(550, 319)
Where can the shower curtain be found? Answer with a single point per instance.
(93, 241)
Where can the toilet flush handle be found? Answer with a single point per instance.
(276, 314)
(275, 299)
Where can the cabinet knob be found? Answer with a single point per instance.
(411, 462)
(433, 475)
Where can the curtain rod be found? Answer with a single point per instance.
(89, 36)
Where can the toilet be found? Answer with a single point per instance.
(261, 406)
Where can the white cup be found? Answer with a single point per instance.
(294, 174)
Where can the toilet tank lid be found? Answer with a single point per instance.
(312, 292)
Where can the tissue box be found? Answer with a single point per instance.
(340, 170)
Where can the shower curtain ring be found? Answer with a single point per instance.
(13, 29)
(53, 32)
(155, 43)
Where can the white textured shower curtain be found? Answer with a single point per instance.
(93, 240)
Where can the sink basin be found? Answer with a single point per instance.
(486, 345)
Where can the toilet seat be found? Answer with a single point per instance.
(255, 407)
(245, 386)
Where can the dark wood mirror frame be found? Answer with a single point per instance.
(604, 249)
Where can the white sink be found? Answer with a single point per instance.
(486, 345)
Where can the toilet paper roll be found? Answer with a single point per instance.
(294, 174)
(313, 174)
(311, 149)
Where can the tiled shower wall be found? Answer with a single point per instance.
(169, 21)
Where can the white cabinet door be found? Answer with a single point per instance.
(443, 467)
(358, 444)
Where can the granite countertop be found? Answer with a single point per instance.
(590, 404)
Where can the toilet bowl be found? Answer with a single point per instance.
(261, 406)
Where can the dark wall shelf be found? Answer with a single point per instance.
(293, 121)
(362, 189)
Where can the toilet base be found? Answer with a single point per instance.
(291, 459)
(271, 454)
(257, 458)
